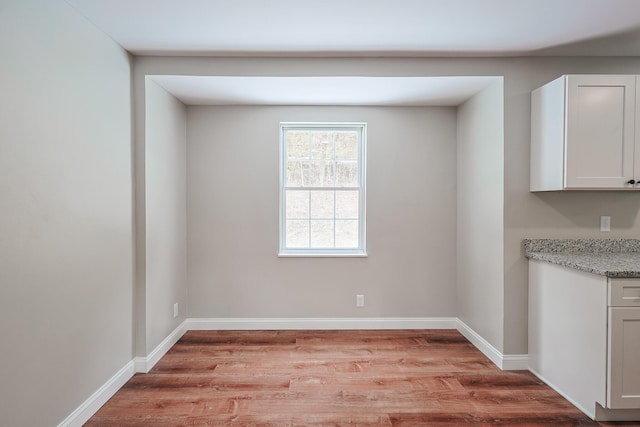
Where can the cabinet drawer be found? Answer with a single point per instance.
(624, 292)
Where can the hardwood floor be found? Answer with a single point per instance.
(333, 378)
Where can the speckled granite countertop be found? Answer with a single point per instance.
(606, 257)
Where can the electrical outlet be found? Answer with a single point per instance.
(359, 300)
(175, 310)
(605, 223)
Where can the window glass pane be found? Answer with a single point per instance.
(321, 174)
(297, 144)
(322, 145)
(347, 145)
(297, 204)
(297, 173)
(346, 233)
(321, 233)
(322, 204)
(297, 234)
(347, 204)
(346, 173)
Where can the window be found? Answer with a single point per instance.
(322, 189)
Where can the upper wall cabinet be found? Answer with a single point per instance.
(583, 134)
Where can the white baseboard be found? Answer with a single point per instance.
(508, 362)
(104, 393)
(515, 362)
(322, 323)
(144, 364)
(90, 406)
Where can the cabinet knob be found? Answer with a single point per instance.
(631, 181)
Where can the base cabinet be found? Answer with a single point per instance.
(584, 339)
(623, 370)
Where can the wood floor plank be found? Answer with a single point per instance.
(333, 378)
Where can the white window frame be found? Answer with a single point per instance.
(360, 251)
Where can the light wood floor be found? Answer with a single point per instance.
(333, 378)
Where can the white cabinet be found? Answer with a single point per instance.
(583, 134)
(624, 344)
(584, 339)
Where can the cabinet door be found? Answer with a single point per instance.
(600, 123)
(636, 163)
(624, 358)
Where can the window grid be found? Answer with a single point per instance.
(334, 160)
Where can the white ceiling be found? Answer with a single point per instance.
(392, 91)
(358, 28)
(369, 27)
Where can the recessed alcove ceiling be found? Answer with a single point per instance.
(325, 90)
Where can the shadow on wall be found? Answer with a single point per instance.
(583, 208)
(617, 44)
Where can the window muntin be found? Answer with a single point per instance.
(322, 191)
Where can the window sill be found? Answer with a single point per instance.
(323, 255)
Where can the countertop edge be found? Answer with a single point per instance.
(555, 258)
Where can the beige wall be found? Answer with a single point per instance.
(65, 211)
(234, 270)
(557, 215)
(480, 235)
(525, 214)
(166, 213)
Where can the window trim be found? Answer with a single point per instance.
(361, 251)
